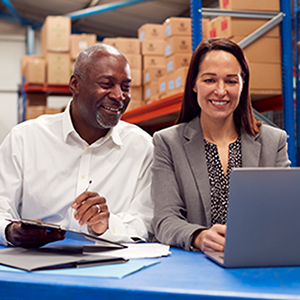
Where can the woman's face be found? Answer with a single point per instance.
(218, 85)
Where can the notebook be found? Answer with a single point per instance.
(263, 219)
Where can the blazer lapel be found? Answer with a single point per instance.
(195, 152)
(250, 150)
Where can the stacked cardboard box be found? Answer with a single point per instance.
(33, 68)
(152, 48)
(264, 54)
(79, 42)
(178, 52)
(55, 39)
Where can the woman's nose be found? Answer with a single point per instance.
(220, 89)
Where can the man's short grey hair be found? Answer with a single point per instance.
(85, 57)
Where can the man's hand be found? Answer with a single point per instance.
(212, 239)
(31, 236)
(91, 209)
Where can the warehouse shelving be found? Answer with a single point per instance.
(146, 115)
(164, 112)
(58, 90)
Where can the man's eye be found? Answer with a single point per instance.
(105, 85)
(126, 87)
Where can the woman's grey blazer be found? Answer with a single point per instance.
(180, 184)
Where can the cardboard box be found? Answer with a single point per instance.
(163, 86)
(135, 61)
(125, 45)
(35, 70)
(229, 27)
(72, 64)
(25, 59)
(33, 112)
(53, 110)
(151, 31)
(109, 41)
(55, 34)
(153, 74)
(265, 77)
(136, 77)
(36, 99)
(153, 47)
(263, 50)
(150, 61)
(180, 79)
(178, 44)
(136, 93)
(151, 90)
(205, 23)
(212, 27)
(261, 5)
(170, 85)
(79, 42)
(58, 68)
(177, 27)
(177, 61)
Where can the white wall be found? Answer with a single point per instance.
(12, 47)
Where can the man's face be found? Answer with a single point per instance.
(104, 92)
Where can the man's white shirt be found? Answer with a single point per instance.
(45, 165)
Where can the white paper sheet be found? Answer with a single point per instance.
(142, 250)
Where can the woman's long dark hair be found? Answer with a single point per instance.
(243, 115)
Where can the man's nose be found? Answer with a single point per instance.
(118, 93)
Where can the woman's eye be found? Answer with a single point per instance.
(209, 80)
(232, 81)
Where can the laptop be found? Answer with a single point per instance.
(263, 219)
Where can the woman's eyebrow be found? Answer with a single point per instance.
(210, 74)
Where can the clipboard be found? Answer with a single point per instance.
(48, 259)
(79, 238)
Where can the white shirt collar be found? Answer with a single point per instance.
(68, 129)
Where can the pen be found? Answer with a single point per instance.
(89, 184)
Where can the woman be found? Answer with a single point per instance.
(216, 131)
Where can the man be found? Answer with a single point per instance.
(47, 163)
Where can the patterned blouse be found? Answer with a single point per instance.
(219, 183)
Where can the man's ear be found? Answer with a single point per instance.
(74, 84)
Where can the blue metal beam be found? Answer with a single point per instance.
(30, 39)
(297, 94)
(196, 18)
(287, 78)
(13, 11)
(101, 8)
(26, 22)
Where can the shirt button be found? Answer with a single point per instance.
(88, 150)
(113, 230)
(82, 176)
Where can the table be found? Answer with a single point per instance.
(182, 275)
